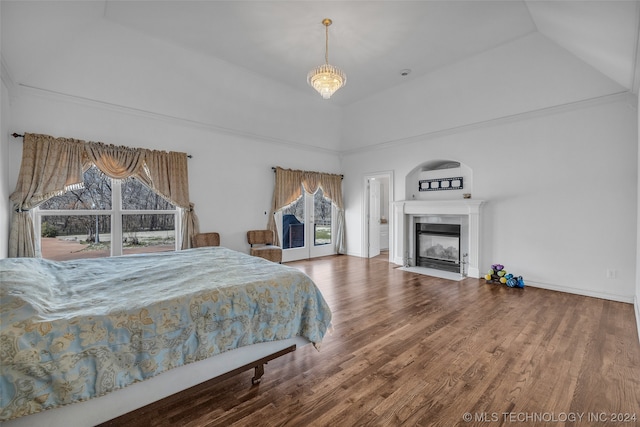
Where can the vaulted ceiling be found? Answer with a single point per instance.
(372, 41)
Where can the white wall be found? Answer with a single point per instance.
(118, 67)
(231, 181)
(528, 74)
(553, 147)
(561, 189)
(5, 210)
(5, 190)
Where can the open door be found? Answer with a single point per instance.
(377, 191)
(374, 217)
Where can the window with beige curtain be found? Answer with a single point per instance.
(289, 185)
(52, 166)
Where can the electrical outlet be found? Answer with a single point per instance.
(612, 273)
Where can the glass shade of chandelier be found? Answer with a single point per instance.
(326, 78)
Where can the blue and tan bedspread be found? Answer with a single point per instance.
(75, 330)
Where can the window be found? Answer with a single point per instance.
(322, 219)
(106, 217)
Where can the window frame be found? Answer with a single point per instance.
(116, 212)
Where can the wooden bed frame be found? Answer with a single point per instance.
(101, 409)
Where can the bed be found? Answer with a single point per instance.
(89, 340)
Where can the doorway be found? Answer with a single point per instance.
(307, 227)
(378, 195)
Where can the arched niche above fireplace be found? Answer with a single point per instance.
(439, 179)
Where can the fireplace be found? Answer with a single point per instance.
(438, 246)
(463, 212)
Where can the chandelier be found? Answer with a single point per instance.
(326, 79)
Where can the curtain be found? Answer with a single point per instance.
(311, 181)
(332, 188)
(51, 166)
(288, 187)
(116, 162)
(169, 177)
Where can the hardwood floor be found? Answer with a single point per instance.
(412, 350)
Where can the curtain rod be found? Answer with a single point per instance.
(273, 168)
(17, 135)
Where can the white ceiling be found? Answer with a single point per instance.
(372, 41)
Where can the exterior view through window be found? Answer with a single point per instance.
(293, 221)
(106, 217)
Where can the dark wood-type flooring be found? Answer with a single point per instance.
(413, 350)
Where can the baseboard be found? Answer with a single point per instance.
(583, 292)
(577, 291)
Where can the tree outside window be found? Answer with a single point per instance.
(106, 217)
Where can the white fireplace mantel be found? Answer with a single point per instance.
(405, 213)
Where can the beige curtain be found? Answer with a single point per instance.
(169, 177)
(116, 162)
(332, 188)
(52, 166)
(166, 173)
(311, 181)
(285, 191)
(190, 225)
(288, 187)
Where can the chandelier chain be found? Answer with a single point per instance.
(326, 47)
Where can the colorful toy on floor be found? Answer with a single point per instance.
(498, 274)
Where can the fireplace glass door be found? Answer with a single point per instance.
(438, 246)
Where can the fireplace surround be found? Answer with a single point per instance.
(464, 212)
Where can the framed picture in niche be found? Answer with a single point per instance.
(438, 184)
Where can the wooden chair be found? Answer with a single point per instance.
(262, 245)
(205, 239)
